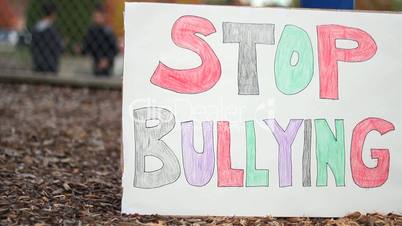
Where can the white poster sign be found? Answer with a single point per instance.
(257, 111)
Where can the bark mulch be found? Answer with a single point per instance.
(59, 164)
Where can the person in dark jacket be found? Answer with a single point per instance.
(46, 45)
(100, 43)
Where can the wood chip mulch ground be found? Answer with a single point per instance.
(59, 164)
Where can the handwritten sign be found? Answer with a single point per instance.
(246, 111)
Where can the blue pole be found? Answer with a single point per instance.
(327, 4)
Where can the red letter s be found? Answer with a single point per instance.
(196, 80)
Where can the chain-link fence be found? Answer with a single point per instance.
(61, 37)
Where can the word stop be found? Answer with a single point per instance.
(290, 77)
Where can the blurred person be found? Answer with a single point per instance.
(46, 45)
(100, 43)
